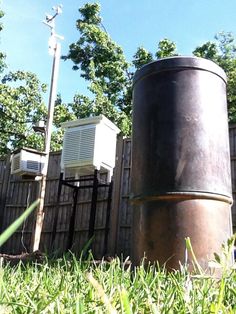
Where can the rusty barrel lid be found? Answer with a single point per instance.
(178, 63)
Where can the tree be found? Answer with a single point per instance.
(223, 52)
(103, 64)
(21, 105)
(2, 55)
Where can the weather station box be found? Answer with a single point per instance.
(89, 144)
(27, 161)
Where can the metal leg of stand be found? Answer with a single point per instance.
(72, 220)
(54, 229)
(93, 206)
(109, 198)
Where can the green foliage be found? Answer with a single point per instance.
(166, 48)
(142, 57)
(21, 105)
(62, 112)
(101, 62)
(223, 52)
(2, 55)
(208, 50)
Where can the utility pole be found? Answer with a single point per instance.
(55, 51)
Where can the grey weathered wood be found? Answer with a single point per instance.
(14, 195)
(4, 184)
(116, 198)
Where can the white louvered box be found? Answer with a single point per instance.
(89, 144)
(28, 162)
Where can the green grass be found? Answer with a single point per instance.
(68, 285)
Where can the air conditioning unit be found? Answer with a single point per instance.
(28, 162)
(89, 144)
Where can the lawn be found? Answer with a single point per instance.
(71, 285)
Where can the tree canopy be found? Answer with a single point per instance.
(223, 52)
(102, 63)
(21, 106)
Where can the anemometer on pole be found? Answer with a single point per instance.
(55, 51)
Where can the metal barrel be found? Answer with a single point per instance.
(180, 175)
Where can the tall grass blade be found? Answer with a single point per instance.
(126, 306)
(16, 224)
(101, 293)
(196, 265)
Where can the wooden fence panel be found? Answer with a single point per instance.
(4, 184)
(123, 233)
(116, 199)
(16, 194)
(50, 207)
(20, 194)
(232, 142)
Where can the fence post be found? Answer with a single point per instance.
(4, 189)
(116, 196)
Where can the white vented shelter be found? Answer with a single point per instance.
(28, 162)
(89, 144)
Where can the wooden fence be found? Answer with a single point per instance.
(16, 193)
(232, 143)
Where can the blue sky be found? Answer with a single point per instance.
(131, 23)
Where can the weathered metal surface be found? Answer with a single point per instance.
(180, 183)
(162, 226)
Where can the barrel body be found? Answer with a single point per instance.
(180, 179)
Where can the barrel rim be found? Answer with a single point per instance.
(179, 62)
(183, 195)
